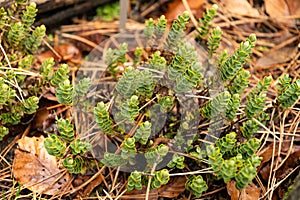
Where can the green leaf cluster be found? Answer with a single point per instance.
(72, 157)
(230, 161)
(197, 185)
(205, 22)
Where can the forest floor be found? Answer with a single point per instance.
(276, 24)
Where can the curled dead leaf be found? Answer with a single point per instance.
(240, 7)
(174, 187)
(67, 52)
(278, 56)
(250, 192)
(279, 9)
(35, 169)
(176, 8)
(140, 194)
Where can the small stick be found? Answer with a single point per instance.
(123, 14)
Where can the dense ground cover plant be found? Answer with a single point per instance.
(158, 83)
(159, 87)
(19, 40)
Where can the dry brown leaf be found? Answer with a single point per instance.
(250, 192)
(174, 187)
(176, 8)
(278, 56)
(294, 7)
(240, 7)
(68, 52)
(278, 9)
(35, 169)
(140, 194)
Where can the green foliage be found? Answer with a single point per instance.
(149, 28)
(283, 83)
(35, 39)
(240, 82)
(146, 85)
(199, 154)
(289, 95)
(205, 22)
(160, 27)
(231, 66)
(166, 103)
(245, 175)
(226, 143)
(256, 100)
(197, 185)
(177, 30)
(3, 17)
(112, 160)
(83, 87)
(216, 106)
(66, 130)
(74, 165)
(249, 128)
(214, 41)
(11, 118)
(229, 161)
(46, 69)
(55, 146)
(177, 161)
(128, 148)
(215, 158)
(102, 118)
(60, 75)
(184, 69)
(138, 52)
(31, 105)
(157, 62)
(29, 14)
(134, 181)
(115, 57)
(129, 109)
(79, 147)
(232, 106)
(247, 149)
(158, 92)
(65, 92)
(109, 11)
(127, 84)
(229, 168)
(155, 155)
(143, 132)
(6, 93)
(3, 132)
(16, 34)
(160, 178)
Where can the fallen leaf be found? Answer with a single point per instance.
(67, 52)
(278, 9)
(232, 191)
(35, 169)
(240, 7)
(140, 194)
(174, 187)
(294, 7)
(250, 192)
(277, 56)
(176, 8)
(50, 96)
(290, 163)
